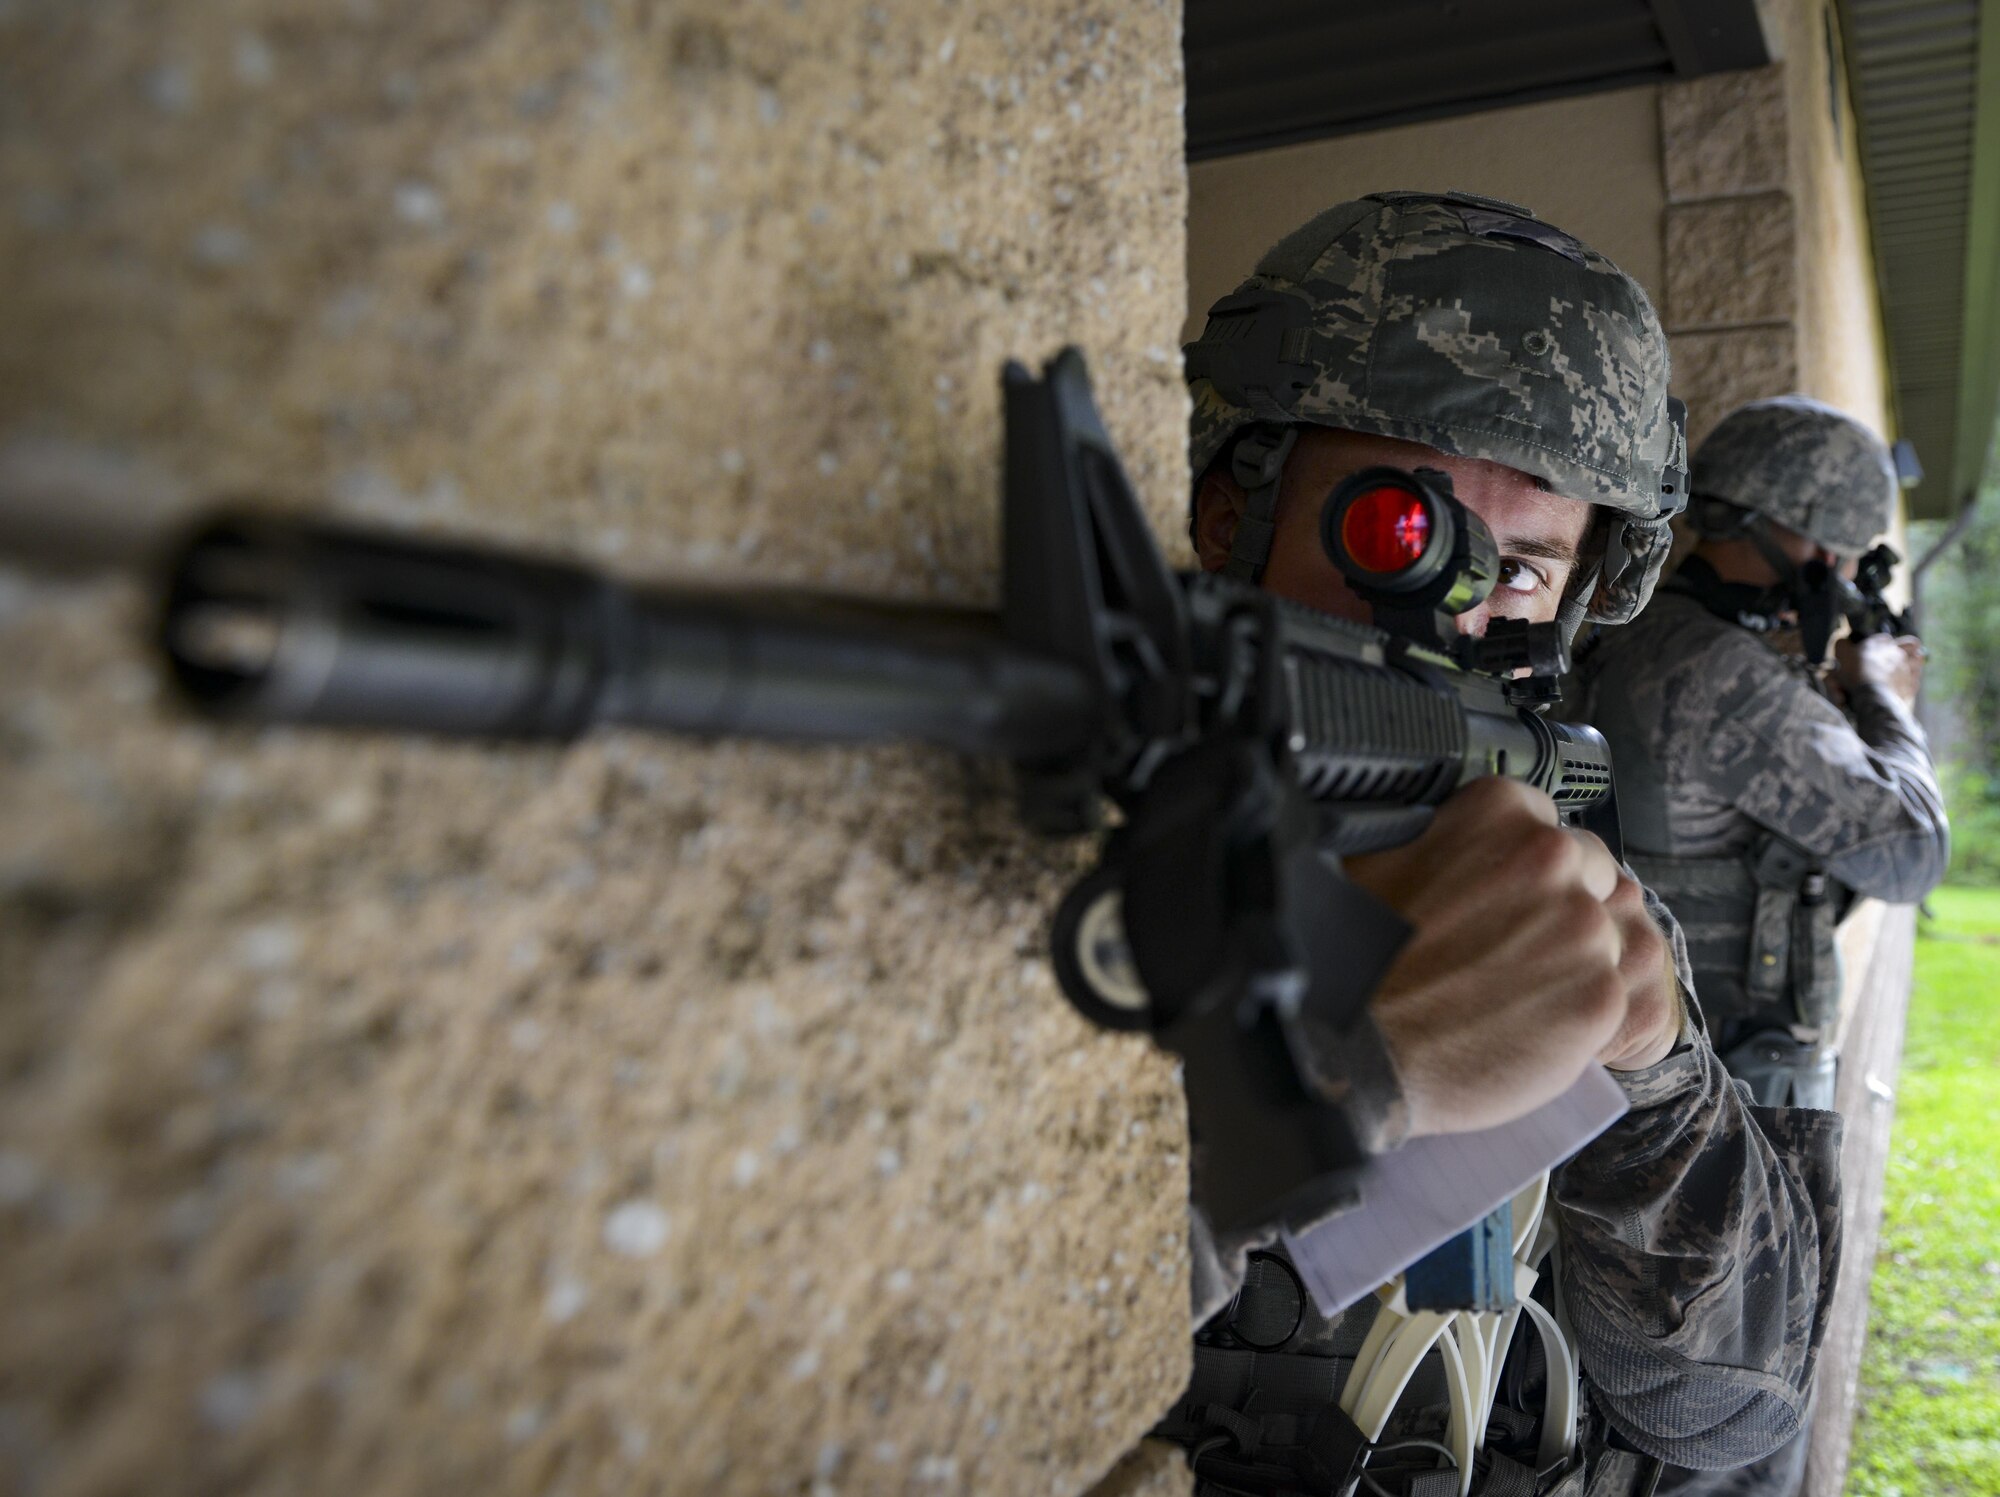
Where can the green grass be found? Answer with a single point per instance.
(1929, 1418)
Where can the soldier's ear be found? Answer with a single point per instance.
(1219, 503)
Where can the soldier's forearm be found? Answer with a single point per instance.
(1885, 721)
(1906, 856)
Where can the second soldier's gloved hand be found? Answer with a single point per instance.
(1895, 666)
(1531, 957)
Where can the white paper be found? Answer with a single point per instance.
(1431, 1189)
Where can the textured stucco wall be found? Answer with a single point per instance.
(1770, 284)
(390, 1117)
(1842, 354)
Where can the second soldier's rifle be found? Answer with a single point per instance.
(1862, 600)
(1246, 742)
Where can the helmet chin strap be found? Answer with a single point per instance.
(1258, 466)
(1594, 572)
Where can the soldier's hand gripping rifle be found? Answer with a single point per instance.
(1246, 741)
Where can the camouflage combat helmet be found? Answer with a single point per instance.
(1472, 327)
(1804, 465)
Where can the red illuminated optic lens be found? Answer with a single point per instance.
(1386, 529)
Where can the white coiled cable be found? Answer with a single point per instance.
(1473, 1346)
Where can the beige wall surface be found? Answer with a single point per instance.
(1843, 357)
(1732, 199)
(1590, 165)
(1770, 281)
(386, 1117)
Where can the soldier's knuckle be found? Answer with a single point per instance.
(1648, 1009)
(1645, 949)
(1627, 894)
(1643, 940)
(1544, 855)
(1603, 1001)
(1581, 920)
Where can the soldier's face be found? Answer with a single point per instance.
(1538, 533)
(1802, 549)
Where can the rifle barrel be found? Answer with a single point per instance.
(279, 620)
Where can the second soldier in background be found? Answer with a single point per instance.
(1698, 1235)
(1760, 797)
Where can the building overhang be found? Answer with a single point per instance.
(1925, 78)
(1263, 73)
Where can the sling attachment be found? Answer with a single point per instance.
(1434, 1484)
(1241, 1430)
(1505, 1477)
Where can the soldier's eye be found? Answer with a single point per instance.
(1519, 577)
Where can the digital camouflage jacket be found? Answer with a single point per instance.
(1725, 747)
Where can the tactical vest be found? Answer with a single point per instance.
(1760, 932)
(1760, 929)
(1262, 1413)
(1760, 923)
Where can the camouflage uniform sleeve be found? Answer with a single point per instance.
(1862, 794)
(1897, 745)
(1700, 1242)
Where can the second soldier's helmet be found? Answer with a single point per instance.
(1470, 326)
(1803, 464)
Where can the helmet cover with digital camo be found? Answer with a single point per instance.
(1472, 327)
(1804, 465)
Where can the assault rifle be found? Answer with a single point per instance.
(1246, 742)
